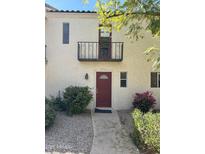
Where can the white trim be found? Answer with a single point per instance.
(71, 15)
(123, 79)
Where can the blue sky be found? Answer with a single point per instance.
(72, 4)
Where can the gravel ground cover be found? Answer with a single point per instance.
(70, 134)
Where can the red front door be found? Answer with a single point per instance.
(103, 89)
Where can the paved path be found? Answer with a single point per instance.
(109, 137)
(59, 153)
(62, 153)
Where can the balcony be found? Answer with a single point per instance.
(103, 51)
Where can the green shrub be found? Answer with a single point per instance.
(49, 113)
(147, 130)
(77, 99)
(58, 103)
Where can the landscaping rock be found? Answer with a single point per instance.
(70, 134)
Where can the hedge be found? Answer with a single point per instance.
(146, 133)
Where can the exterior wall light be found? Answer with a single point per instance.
(86, 76)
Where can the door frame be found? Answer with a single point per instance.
(100, 71)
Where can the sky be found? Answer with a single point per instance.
(72, 4)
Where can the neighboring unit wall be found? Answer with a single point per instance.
(63, 68)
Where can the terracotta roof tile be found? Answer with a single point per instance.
(72, 11)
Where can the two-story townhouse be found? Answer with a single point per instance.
(112, 65)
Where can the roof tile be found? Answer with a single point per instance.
(73, 11)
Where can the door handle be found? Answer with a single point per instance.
(96, 90)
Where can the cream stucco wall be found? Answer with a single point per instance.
(64, 69)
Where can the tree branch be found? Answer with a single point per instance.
(137, 13)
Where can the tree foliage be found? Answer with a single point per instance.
(138, 15)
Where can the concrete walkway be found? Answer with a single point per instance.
(60, 153)
(109, 137)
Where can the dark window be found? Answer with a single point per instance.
(123, 79)
(155, 79)
(104, 44)
(65, 33)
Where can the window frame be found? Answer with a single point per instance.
(157, 80)
(126, 79)
(66, 41)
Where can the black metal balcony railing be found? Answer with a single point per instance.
(104, 51)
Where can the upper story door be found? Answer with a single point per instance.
(105, 45)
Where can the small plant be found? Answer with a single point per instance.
(77, 99)
(50, 114)
(58, 102)
(147, 130)
(144, 101)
